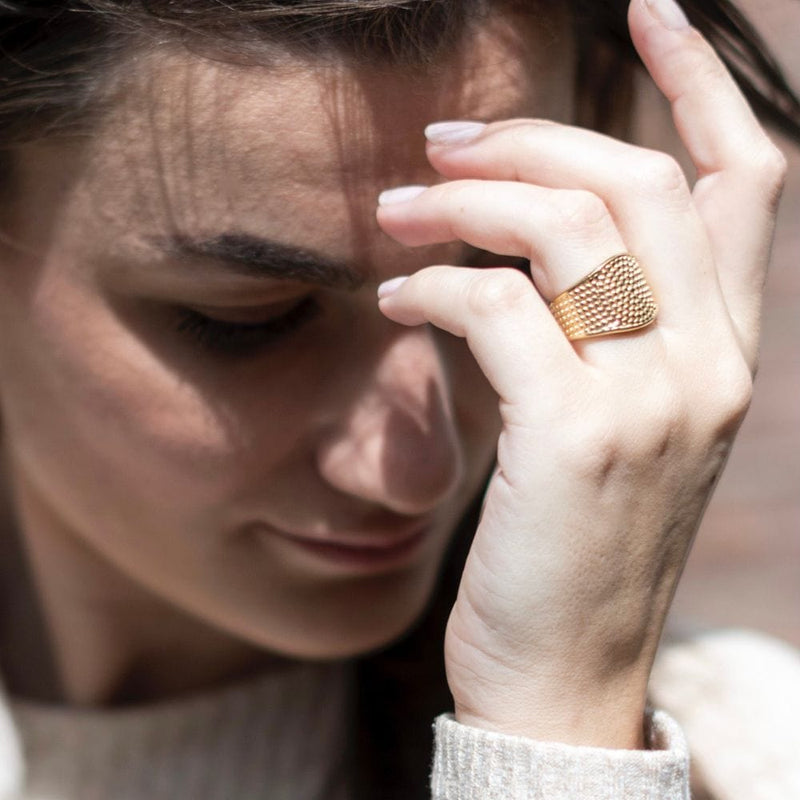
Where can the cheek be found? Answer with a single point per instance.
(93, 412)
(475, 403)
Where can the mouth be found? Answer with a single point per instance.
(370, 551)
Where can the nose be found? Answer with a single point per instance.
(395, 442)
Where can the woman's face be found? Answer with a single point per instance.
(200, 397)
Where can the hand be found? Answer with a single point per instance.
(610, 447)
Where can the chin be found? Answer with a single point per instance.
(354, 623)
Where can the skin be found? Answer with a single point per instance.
(610, 447)
(139, 460)
(607, 449)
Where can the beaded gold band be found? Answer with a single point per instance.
(614, 298)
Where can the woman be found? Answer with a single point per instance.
(224, 460)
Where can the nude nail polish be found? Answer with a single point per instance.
(400, 194)
(391, 286)
(668, 13)
(457, 132)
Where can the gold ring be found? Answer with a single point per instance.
(614, 298)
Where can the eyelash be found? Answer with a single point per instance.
(225, 338)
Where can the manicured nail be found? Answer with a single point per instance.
(391, 286)
(668, 13)
(400, 195)
(453, 132)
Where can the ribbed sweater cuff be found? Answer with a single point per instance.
(475, 764)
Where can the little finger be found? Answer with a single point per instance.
(508, 328)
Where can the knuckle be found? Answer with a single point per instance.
(733, 395)
(698, 65)
(772, 163)
(579, 212)
(458, 195)
(600, 445)
(497, 292)
(660, 174)
(524, 134)
(588, 446)
(770, 168)
(668, 415)
(662, 415)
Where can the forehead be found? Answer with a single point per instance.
(315, 122)
(293, 150)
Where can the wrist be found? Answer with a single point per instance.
(570, 711)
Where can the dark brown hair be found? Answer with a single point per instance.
(54, 57)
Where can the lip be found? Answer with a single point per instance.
(370, 550)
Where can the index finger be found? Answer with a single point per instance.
(712, 116)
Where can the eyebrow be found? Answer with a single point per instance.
(253, 256)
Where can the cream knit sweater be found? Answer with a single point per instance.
(279, 737)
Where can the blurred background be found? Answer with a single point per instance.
(744, 570)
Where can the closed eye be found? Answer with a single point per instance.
(238, 338)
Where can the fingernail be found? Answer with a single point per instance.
(453, 132)
(668, 13)
(400, 195)
(391, 286)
